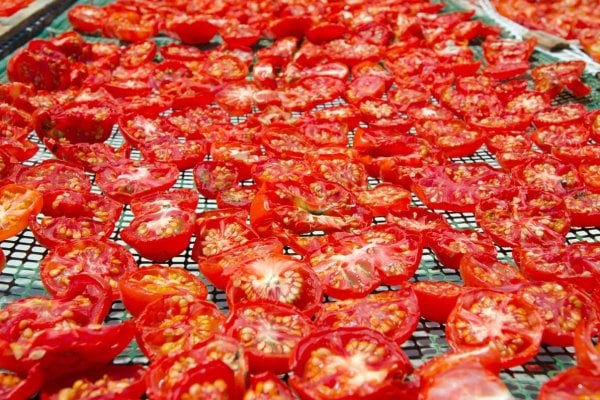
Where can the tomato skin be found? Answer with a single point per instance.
(478, 310)
(17, 203)
(142, 286)
(268, 331)
(162, 235)
(437, 299)
(342, 343)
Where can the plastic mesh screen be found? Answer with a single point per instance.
(20, 277)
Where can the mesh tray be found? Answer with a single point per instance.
(20, 277)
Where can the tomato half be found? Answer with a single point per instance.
(502, 320)
(53, 175)
(142, 286)
(184, 199)
(172, 324)
(485, 271)
(17, 203)
(451, 245)
(573, 383)
(13, 386)
(437, 299)
(267, 386)
(269, 332)
(393, 313)
(347, 363)
(586, 352)
(276, 277)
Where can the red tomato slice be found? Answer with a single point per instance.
(437, 299)
(485, 271)
(583, 207)
(103, 259)
(127, 179)
(212, 177)
(458, 187)
(586, 352)
(547, 174)
(572, 383)
(217, 235)
(172, 324)
(87, 18)
(55, 175)
(383, 198)
(502, 320)
(517, 216)
(237, 197)
(141, 287)
(451, 245)
(184, 199)
(347, 363)
(90, 156)
(267, 386)
(218, 366)
(393, 313)
(552, 136)
(17, 204)
(13, 386)
(161, 235)
(184, 154)
(269, 332)
(274, 277)
(563, 307)
(124, 381)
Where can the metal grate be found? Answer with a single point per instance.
(20, 277)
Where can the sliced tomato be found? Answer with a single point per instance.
(586, 352)
(104, 259)
(184, 154)
(571, 384)
(236, 98)
(127, 179)
(184, 199)
(54, 175)
(347, 363)
(161, 235)
(417, 221)
(172, 324)
(13, 386)
(485, 271)
(87, 18)
(505, 142)
(393, 313)
(551, 136)
(276, 278)
(267, 386)
(547, 174)
(17, 204)
(454, 138)
(458, 187)
(242, 155)
(90, 156)
(215, 236)
(383, 198)
(142, 286)
(451, 245)
(125, 381)
(517, 216)
(213, 369)
(583, 207)
(501, 320)
(237, 197)
(563, 307)
(269, 332)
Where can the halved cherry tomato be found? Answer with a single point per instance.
(190, 29)
(485, 271)
(563, 307)
(586, 352)
(87, 18)
(551, 136)
(17, 204)
(417, 221)
(451, 245)
(454, 138)
(547, 174)
(142, 286)
(393, 313)
(184, 154)
(572, 383)
(55, 175)
(212, 177)
(276, 277)
(501, 320)
(267, 386)
(172, 324)
(184, 199)
(346, 363)
(127, 179)
(13, 386)
(269, 332)
(217, 235)
(161, 235)
(90, 156)
(123, 381)
(583, 207)
(41, 64)
(104, 259)
(383, 198)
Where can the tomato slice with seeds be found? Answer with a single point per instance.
(142, 286)
(13, 386)
(17, 204)
(269, 332)
(276, 277)
(547, 174)
(485, 271)
(343, 170)
(393, 313)
(87, 18)
(217, 235)
(123, 381)
(274, 169)
(161, 235)
(586, 352)
(90, 156)
(55, 174)
(504, 142)
(548, 137)
(104, 259)
(554, 261)
(518, 216)
(562, 307)
(572, 383)
(172, 324)
(451, 245)
(383, 198)
(127, 179)
(501, 320)
(566, 114)
(184, 199)
(214, 369)
(267, 386)
(453, 137)
(583, 207)
(184, 154)
(437, 299)
(347, 363)
(417, 221)
(212, 177)
(458, 187)
(237, 197)
(241, 155)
